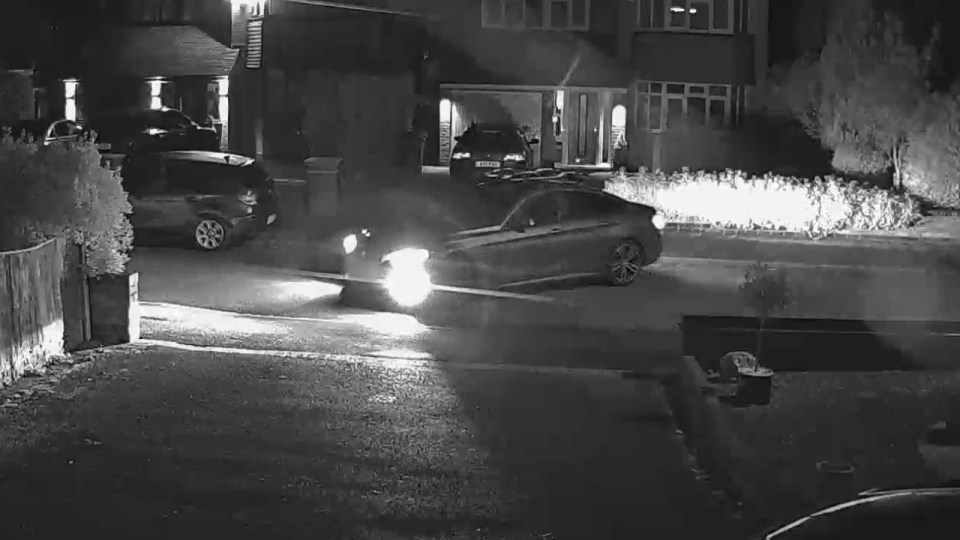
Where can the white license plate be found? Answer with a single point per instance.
(271, 218)
(104, 146)
(490, 164)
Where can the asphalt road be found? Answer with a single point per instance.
(157, 442)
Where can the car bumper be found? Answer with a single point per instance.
(652, 247)
(466, 169)
(252, 225)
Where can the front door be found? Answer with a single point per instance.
(583, 127)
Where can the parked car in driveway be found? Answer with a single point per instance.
(151, 130)
(921, 513)
(47, 131)
(486, 147)
(501, 234)
(211, 197)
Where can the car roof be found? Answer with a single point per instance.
(205, 156)
(523, 187)
(494, 126)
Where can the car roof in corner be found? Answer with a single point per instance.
(204, 156)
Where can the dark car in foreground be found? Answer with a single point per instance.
(916, 513)
(487, 147)
(151, 130)
(211, 197)
(501, 234)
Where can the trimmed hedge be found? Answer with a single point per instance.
(735, 199)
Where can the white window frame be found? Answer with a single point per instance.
(664, 17)
(646, 89)
(546, 23)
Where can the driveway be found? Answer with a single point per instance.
(160, 442)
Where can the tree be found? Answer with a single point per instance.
(862, 95)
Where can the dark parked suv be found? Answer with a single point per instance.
(212, 197)
(151, 130)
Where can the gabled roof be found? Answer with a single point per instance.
(144, 51)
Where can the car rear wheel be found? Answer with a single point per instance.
(211, 234)
(626, 262)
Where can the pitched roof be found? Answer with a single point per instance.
(158, 51)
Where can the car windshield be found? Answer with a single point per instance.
(494, 138)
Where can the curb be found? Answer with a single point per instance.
(712, 440)
(698, 228)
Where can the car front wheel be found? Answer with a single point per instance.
(625, 263)
(211, 234)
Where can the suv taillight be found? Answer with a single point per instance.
(248, 197)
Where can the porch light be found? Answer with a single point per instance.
(446, 110)
(681, 9)
(619, 116)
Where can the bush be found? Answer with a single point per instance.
(734, 199)
(932, 159)
(62, 190)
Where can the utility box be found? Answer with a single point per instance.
(323, 185)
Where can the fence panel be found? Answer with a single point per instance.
(31, 310)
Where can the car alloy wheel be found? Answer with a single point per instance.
(627, 263)
(210, 234)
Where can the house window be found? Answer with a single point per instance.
(170, 11)
(549, 14)
(712, 16)
(70, 87)
(674, 105)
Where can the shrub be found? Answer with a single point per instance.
(932, 159)
(62, 190)
(734, 199)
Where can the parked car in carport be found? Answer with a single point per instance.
(496, 235)
(487, 147)
(151, 130)
(46, 131)
(215, 199)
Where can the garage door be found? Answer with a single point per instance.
(520, 108)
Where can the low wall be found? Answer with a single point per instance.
(31, 310)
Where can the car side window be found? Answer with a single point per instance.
(204, 178)
(540, 211)
(588, 206)
(174, 120)
(144, 177)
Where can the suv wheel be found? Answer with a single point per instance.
(211, 234)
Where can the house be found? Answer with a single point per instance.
(142, 53)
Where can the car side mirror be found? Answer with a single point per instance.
(207, 122)
(534, 141)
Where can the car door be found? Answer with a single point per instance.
(591, 226)
(190, 189)
(530, 249)
(144, 181)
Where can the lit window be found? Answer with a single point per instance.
(70, 99)
(554, 14)
(672, 105)
(156, 90)
(446, 110)
(714, 16)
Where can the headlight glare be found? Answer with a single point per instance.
(407, 257)
(350, 243)
(658, 221)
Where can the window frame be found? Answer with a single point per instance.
(664, 18)
(600, 200)
(546, 22)
(646, 90)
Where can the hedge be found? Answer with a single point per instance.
(734, 199)
(62, 190)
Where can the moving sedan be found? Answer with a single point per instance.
(501, 234)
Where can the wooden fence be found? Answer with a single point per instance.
(31, 310)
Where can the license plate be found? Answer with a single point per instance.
(104, 146)
(271, 218)
(490, 164)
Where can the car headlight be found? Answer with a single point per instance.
(461, 155)
(408, 281)
(514, 157)
(658, 221)
(350, 243)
